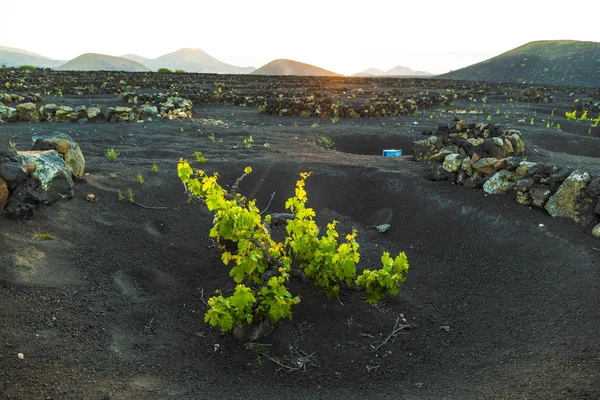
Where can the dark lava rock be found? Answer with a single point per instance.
(437, 173)
(13, 174)
(474, 182)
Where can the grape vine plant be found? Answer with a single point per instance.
(261, 266)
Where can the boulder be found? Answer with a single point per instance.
(539, 195)
(495, 148)
(93, 112)
(63, 114)
(594, 187)
(501, 182)
(66, 147)
(518, 145)
(52, 173)
(121, 114)
(3, 193)
(452, 162)
(443, 152)
(438, 173)
(28, 112)
(523, 198)
(466, 166)
(596, 231)
(148, 111)
(474, 181)
(485, 166)
(424, 149)
(475, 141)
(566, 201)
(13, 174)
(7, 113)
(524, 184)
(24, 199)
(48, 112)
(523, 168)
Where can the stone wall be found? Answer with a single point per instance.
(490, 157)
(157, 107)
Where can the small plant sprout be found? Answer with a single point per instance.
(571, 115)
(155, 168)
(200, 159)
(498, 111)
(114, 175)
(130, 195)
(181, 129)
(489, 117)
(43, 236)
(335, 119)
(12, 145)
(211, 137)
(112, 154)
(532, 122)
(248, 142)
(121, 197)
(140, 178)
(315, 125)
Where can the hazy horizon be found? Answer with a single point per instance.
(335, 35)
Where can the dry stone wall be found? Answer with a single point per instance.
(491, 158)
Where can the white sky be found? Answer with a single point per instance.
(342, 36)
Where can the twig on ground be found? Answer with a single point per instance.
(149, 326)
(593, 248)
(148, 207)
(298, 362)
(267, 207)
(397, 328)
(202, 297)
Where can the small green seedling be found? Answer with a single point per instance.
(248, 142)
(130, 194)
(112, 154)
(155, 168)
(140, 178)
(211, 137)
(121, 197)
(114, 175)
(200, 159)
(13, 146)
(181, 129)
(43, 236)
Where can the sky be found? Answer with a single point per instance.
(341, 36)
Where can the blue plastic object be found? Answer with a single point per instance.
(392, 153)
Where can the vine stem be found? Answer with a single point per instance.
(395, 331)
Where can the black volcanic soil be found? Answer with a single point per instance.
(503, 299)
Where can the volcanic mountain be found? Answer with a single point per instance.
(558, 62)
(396, 71)
(289, 67)
(190, 60)
(102, 62)
(13, 57)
